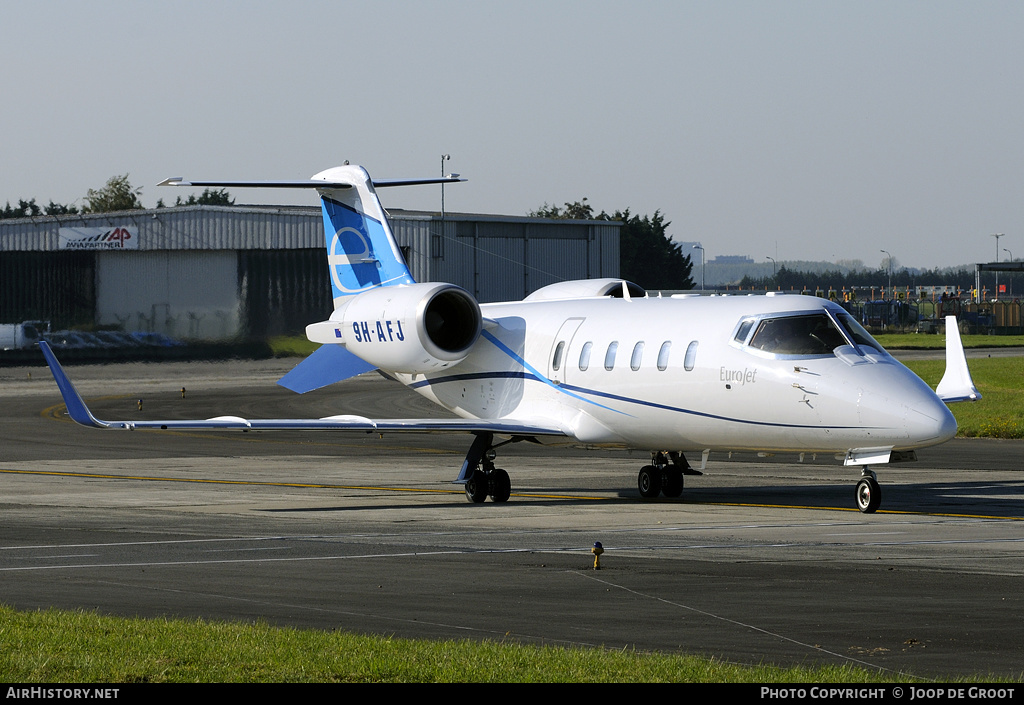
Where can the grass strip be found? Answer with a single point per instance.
(56, 646)
(923, 341)
(1000, 412)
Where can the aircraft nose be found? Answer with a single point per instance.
(929, 420)
(907, 407)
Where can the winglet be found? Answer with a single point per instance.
(77, 409)
(956, 384)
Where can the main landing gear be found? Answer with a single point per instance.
(481, 478)
(484, 483)
(869, 494)
(664, 475)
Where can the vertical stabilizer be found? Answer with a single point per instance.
(361, 250)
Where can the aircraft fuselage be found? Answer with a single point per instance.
(690, 374)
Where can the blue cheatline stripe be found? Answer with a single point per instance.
(473, 376)
(533, 374)
(691, 412)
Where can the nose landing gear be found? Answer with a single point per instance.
(869, 494)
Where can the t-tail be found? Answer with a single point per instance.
(426, 326)
(361, 249)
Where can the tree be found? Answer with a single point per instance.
(578, 210)
(647, 254)
(60, 209)
(220, 197)
(117, 195)
(28, 209)
(25, 209)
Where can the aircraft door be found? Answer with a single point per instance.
(558, 359)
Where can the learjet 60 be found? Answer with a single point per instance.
(597, 363)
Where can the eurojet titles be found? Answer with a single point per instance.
(596, 362)
(739, 376)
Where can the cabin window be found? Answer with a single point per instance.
(609, 356)
(556, 362)
(663, 355)
(813, 334)
(585, 356)
(691, 356)
(638, 354)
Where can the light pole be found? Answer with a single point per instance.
(890, 273)
(997, 236)
(773, 266)
(1011, 274)
(701, 248)
(444, 158)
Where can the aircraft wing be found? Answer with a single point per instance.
(79, 412)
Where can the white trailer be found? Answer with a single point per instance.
(19, 336)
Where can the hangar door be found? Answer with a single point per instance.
(183, 294)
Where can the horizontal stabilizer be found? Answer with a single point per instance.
(956, 384)
(327, 365)
(307, 183)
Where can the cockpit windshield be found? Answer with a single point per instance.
(811, 334)
(856, 331)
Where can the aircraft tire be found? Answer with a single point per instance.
(499, 485)
(476, 487)
(672, 483)
(648, 481)
(869, 495)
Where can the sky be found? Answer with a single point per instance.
(796, 130)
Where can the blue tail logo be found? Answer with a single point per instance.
(361, 251)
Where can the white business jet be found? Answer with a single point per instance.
(597, 362)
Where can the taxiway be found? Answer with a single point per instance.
(761, 560)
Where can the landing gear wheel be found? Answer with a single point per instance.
(869, 495)
(476, 487)
(649, 481)
(499, 485)
(672, 482)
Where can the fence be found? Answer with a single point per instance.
(921, 309)
(927, 316)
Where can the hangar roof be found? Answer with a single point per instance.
(204, 227)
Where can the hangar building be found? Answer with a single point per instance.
(230, 272)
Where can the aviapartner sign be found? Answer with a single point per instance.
(116, 238)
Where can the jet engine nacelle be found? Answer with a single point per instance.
(414, 328)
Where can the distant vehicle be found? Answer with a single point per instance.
(95, 340)
(155, 339)
(68, 340)
(117, 339)
(19, 336)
